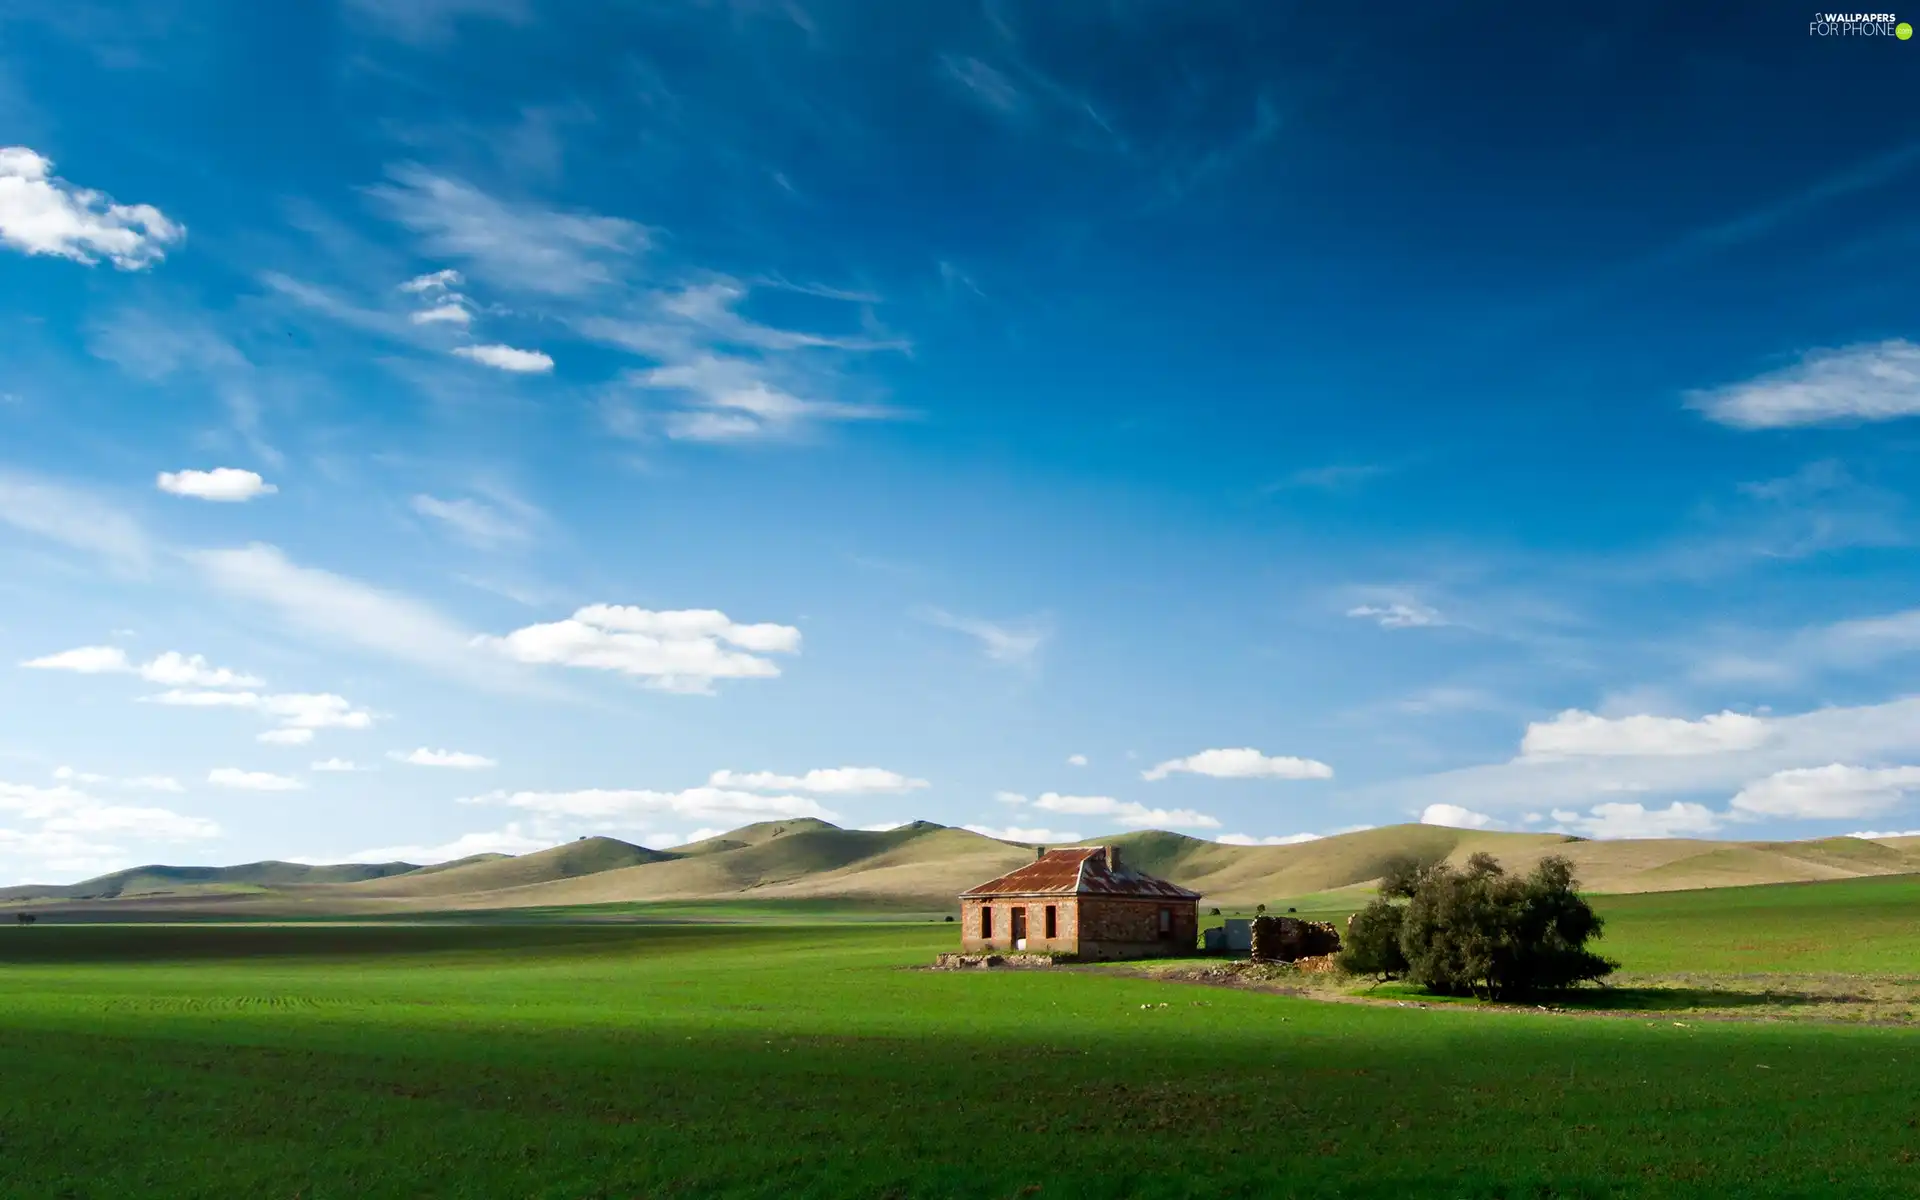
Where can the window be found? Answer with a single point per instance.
(1166, 922)
(1053, 922)
(1019, 928)
(986, 921)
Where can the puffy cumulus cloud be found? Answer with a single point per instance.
(677, 651)
(884, 826)
(1574, 733)
(1017, 833)
(290, 710)
(457, 759)
(83, 660)
(41, 213)
(252, 781)
(1828, 792)
(1620, 820)
(1124, 812)
(442, 314)
(433, 283)
(507, 358)
(1398, 615)
(1454, 816)
(616, 808)
(823, 781)
(284, 737)
(1076, 760)
(334, 765)
(1873, 381)
(1877, 836)
(512, 840)
(229, 485)
(1242, 763)
(1289, 839)
(171, 668)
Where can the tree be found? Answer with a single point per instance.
(1260, 908)
(1372, 945)
(1478, 931)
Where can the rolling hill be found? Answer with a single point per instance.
(923, 866)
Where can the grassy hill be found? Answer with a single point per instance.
(925, 865)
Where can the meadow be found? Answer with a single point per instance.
(676, 1056)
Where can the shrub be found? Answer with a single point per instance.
(1372, 944)
(1478, 931)
(1213, 912)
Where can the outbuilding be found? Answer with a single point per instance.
(1081, 902)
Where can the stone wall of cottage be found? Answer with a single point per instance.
(1092, 927)
(1066, 927)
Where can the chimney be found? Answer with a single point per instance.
(1039, 852)
(1113, 858)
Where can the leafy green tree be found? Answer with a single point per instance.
(1372, 944)
(1479, 931)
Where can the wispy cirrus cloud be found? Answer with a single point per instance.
(1872, 381)
(1013, 643)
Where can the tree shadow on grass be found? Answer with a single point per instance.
(1681, 999)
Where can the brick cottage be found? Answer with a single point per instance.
(1081, 902)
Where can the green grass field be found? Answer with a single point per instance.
(653, 1059)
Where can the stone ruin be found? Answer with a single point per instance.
(962, 962)
(1289, 939)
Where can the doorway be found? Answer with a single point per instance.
(1019, 929)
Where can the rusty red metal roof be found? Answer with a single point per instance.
(1081, 871)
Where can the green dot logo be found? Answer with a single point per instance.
(1903, 31)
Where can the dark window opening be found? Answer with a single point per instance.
(1019, 924)
(1166, 922)
(986, 921)
(1053, 921)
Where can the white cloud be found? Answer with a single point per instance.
(173, 669)
(1828, 792)
(507, 358)
(433, 283)
(145, 783)
(1012, 644)
(673, 650)
(1398, 615)
(1874, 836)
(223, 484)
(252, 781)
(41, 213)
(84, 660)
(346, 610)
(285, 737)
(73, 518)
(519, 246)
(475, 522)
(442, 314)
(738, 399)
(334, 765)
(1574, 733)
(620, 808)
(1873, 381)
(1454, 817)
(1076, 760)
(822, 781)
(58, 831)
(1125, 812)
(884, 826)
(1015, 833)
(511, 840)
(458, 759)
(180, 698)
(1242, 763)
(1616, 820)
(1290, 839)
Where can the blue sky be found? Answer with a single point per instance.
(646, 418)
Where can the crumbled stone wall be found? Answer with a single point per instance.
(1288, 939)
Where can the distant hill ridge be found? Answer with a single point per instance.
(925, 865)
